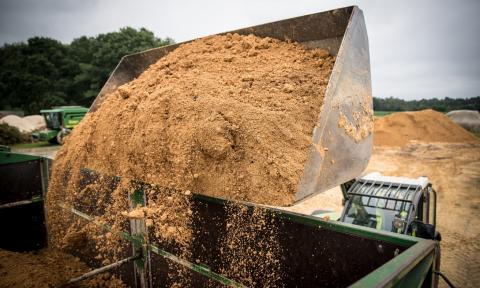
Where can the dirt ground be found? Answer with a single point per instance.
(454, 171)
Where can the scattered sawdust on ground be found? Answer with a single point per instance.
(398, 129)
(47, 268)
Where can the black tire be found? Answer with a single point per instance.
(53, 140)
(438, 255)
(60, 138)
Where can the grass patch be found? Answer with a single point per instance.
(32, 145)
(382, 113)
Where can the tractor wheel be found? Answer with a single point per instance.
(53, 140)
(60, 137)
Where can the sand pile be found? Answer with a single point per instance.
(36, 121)
(47, 268)
(398, 129)
(26, 124)
(18, 122)
(229, 116)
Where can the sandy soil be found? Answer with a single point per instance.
(398, 129)
(454, 171)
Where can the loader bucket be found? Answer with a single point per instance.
(342, 138)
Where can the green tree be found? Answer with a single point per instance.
(98, 56)
(30, 73)
(443, 105)
(44, 72)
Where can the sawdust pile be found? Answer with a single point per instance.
(47, 268)
(228, 116)
(398, 129)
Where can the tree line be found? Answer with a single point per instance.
(443, 105)
(44, 72)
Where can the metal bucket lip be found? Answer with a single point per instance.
(332, 105)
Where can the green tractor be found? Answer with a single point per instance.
(395, 204)
(60, 121)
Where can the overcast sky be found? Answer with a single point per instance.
(418, 49)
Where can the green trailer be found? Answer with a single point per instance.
(315, 253)
(60, 121)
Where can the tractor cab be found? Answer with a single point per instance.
(53, 119)
(395, 204)
(60, 121)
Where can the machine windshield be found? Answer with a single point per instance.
(52, 120)
(381, 214)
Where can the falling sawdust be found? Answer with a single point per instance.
(251, 248)
(227, 116)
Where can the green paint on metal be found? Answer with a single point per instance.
(34, 199)
(137, 226)
(202, 269)
(4, 148)
(65, 109)
(46, 135)
(397, 268)
(134, 239)
(37, 199)
(137, 197)
(10, 158)
(45, 174)
(417, 276)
